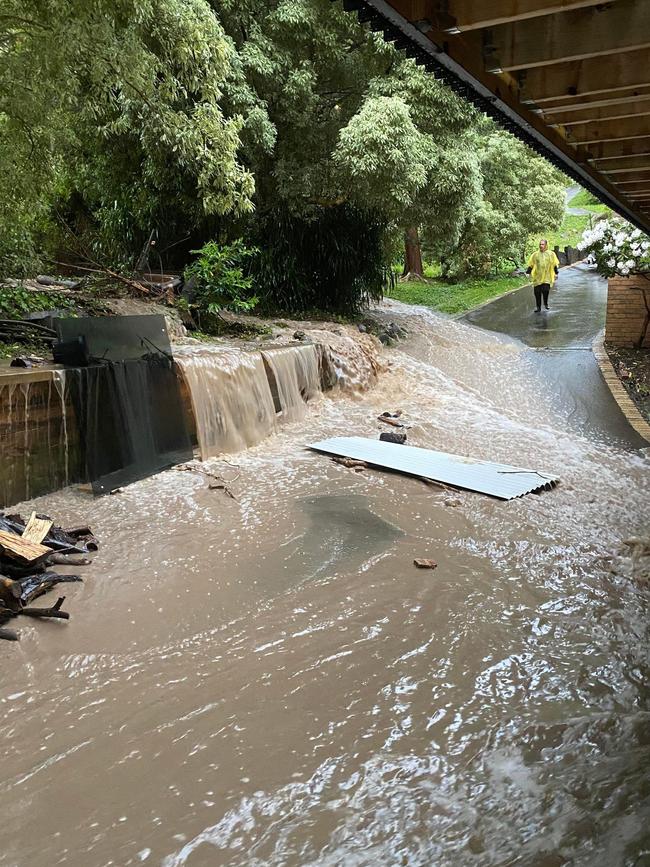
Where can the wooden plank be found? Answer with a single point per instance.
(619, 150)
(640, 175)
(573, 117)
(611, 29)
(596, 100)
(623, 165)
(623, 170)
(21, 549)
(37, 529)
(587, 77)
(470, 15)
(611, 130)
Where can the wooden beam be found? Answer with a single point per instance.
(622, 168)
(612, 29)
(610, 130)
(573, 117)
(642, 175)
(610, 167)
(472, 15)
(587, 77)
(619, 150)
(598, 100)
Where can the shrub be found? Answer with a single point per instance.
(218, 280)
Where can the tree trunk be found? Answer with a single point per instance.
(412, 256)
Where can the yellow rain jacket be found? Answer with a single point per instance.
(543, 265)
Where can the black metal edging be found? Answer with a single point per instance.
(406, 37)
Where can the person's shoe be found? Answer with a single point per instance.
(538, 310)
(546, 307)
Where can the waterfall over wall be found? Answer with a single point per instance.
(231, 398)
(239, 398)
(294, 377)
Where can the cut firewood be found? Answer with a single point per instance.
(37, 529)
(19, 548)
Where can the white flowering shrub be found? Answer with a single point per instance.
(618, 248)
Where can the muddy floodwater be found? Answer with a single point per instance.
(270, 680)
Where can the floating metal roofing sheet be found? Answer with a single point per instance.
(496, 480)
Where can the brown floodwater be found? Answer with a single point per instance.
(270, 680)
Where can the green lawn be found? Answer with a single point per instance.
(584, 199)
(455, 297)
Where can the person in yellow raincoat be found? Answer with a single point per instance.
(543, 266)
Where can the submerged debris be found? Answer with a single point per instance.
(26, 550)
(389, 437)
(423, 563)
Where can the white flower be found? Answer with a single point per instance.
(630, 263)
(611, 263)
(636, 233)
(621, 266)
(607, 248)
(645, 245)
(625, 271)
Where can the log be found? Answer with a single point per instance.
(9, 635)
(68, 560)
(19, 548)
(37, 529)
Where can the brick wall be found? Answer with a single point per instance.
(626, 310)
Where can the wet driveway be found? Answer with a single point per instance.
(560, 339)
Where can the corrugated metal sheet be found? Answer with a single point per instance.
(496, 480)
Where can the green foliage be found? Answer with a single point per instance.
(333, 262)
(219, 280)
(124, 130)
(522, 195)
(17, 301)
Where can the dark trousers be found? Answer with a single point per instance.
(542, 291)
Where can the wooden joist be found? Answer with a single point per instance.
(573, 117)
(587, 77)
(613, 28)
(619, 150)
(611, 130)
(470, 15)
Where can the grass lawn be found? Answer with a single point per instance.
(455, 297)
(584, 199)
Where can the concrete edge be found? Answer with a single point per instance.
(504, 295)
(617, 389)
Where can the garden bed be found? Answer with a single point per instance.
(633, 369)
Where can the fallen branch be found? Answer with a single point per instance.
(9, 635)
(54, 611)
(388, 420)
(133, 284)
